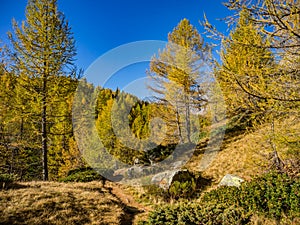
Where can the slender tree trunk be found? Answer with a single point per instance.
(44, 108)
(44, 130)
(12, 164)
(178, 125)
(21, 127)
(187, 119)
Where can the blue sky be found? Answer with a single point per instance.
(100, 26)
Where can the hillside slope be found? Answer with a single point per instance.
(247, 154)
(72, 203)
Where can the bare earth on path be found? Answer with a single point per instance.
(134, 210)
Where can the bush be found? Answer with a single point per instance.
(182, 189)
(274, 195)
(224, 214)
(86, 174)
(6, 179)
(294, 200)
(186, 213)
(155, 192)
(224, 195)
(271, 195)
(159, 153)
(183, 185)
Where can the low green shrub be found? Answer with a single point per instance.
(271, 195)
(155, 192)
(224, 214)
(6, 179)
(228, 195)
(187, 213)
(183, 185)
(159, 153)
(86, 175)
(182, 189)
(294, 199)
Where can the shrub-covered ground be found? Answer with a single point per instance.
(270, 199)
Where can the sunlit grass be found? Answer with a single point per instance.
(59, 203)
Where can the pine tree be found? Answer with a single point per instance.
(43, 52)
(176, 76)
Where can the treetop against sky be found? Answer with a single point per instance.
(100, 26)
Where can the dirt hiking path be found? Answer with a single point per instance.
(133, 210)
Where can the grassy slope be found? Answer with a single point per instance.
(237, 156)
(60, 203)
(246, 154)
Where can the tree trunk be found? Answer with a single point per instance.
(187, 119)
(44, 130)
(44, 108)
(178, 125)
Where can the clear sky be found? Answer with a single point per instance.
(100, 26)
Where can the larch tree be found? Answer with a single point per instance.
(279, 22)
(7, 118)
(43, 53)
(244, 67)
(175, 75)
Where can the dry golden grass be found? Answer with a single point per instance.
(240, 157)
(237, 156)
(60, 203)
(246, 154)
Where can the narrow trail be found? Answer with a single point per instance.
(130, 206)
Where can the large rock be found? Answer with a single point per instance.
(231, 180)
